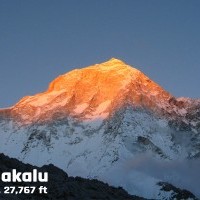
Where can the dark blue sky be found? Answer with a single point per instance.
(40, 39)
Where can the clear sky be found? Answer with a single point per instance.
(40, 39)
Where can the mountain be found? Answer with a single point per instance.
(111, 122)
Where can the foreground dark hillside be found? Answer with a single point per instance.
(60, 186)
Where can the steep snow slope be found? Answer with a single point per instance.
(100, 121)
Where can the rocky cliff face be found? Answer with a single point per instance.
(93, 122)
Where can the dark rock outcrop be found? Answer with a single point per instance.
(176, 192)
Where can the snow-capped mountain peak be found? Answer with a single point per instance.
(91, 92)
(105, 121)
